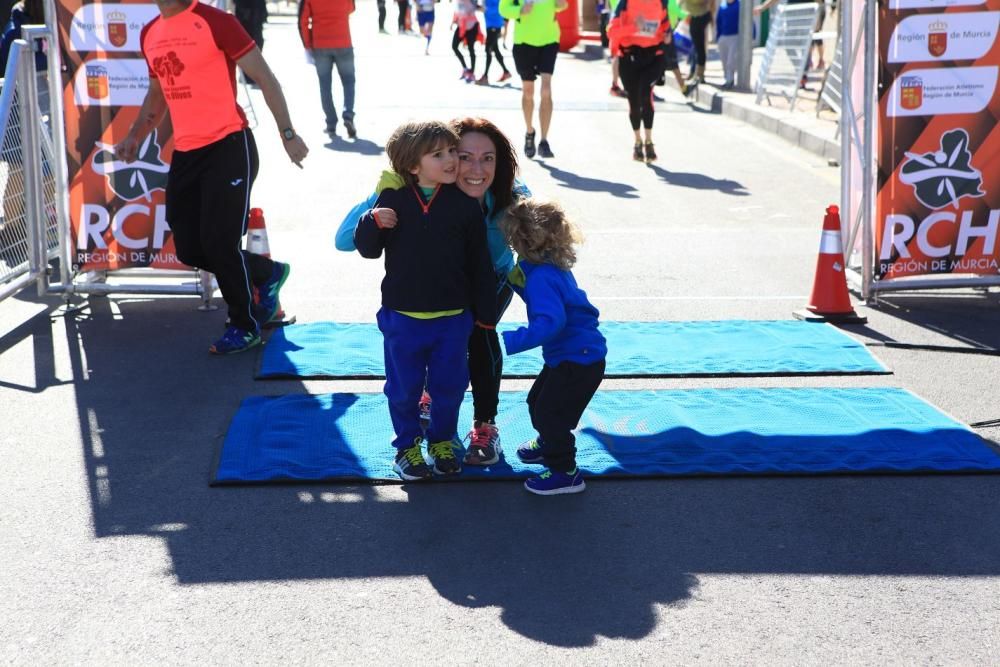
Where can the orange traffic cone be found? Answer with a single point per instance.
(257, 234)
(830, 301)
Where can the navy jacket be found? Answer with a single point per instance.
(436, 260)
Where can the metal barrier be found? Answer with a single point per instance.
(787, 53)
(29, 228)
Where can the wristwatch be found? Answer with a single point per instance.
(288, 133)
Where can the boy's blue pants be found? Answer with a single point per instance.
(435, 351)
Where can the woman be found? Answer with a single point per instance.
(487, 165)
(640, 36)
(701, 13)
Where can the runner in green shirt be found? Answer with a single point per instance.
(536, 43)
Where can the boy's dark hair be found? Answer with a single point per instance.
(503, 180)
(415, 139)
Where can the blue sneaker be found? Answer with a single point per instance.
(551, 483)
(235, 340)
(268, 306)
(530, 452)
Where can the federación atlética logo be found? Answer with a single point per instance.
(944, 176)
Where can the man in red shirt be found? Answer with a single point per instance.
(326, 34)
(192, 50)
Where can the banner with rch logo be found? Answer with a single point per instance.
(117, 212)
(938, 204)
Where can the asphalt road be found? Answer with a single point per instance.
(114, 549)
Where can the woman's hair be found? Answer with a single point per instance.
(539, 232)
(503, 180)
(415, 139)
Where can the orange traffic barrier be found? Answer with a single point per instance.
(830, 301)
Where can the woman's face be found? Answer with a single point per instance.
(477, 164)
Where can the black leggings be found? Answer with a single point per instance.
(556, 402)
(403, 5)
(493, 47)
(639, 69)
(486, 362)
(381, 14)
(699, 26)
(470, 43)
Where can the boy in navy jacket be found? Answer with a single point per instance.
(438, 280)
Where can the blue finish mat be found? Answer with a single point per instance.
(345, 437)
(635, 349)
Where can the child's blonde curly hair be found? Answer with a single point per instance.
(539, 232)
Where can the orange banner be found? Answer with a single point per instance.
(117, 212)
(938, 148)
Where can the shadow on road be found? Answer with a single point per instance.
(153, 408)
(360, 146)
(568, 179)
(700, 181)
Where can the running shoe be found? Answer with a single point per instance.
(468, 76)
(637, 153)
(484, 445)
(269, 291)
(530, 452)
(445, 461)
(544, 150)
(529, 144)
(505, 76)
(410, 464)
(352, 131)
(482, 81)
(551, 483)
(235, 340)
(690, 88)
(617, 91)
(650, 152)
(425, 407)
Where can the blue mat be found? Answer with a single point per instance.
(635, 349)
(345, 437)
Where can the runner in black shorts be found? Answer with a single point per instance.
(536, 44)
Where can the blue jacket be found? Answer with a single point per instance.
(500, 254)
(560, 318)
(491, 12)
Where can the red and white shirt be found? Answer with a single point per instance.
(193, 54)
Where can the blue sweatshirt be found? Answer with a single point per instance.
(500, 254)
(491, 12)
(560, 318)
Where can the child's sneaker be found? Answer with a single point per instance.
(410, 464)
(484, 445)
(425, 407)
(551, 483)
(530, 452)
(268, 292)
(445, 461)
(235, 340)
(505, 76)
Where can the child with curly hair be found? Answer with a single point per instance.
(565, 324)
